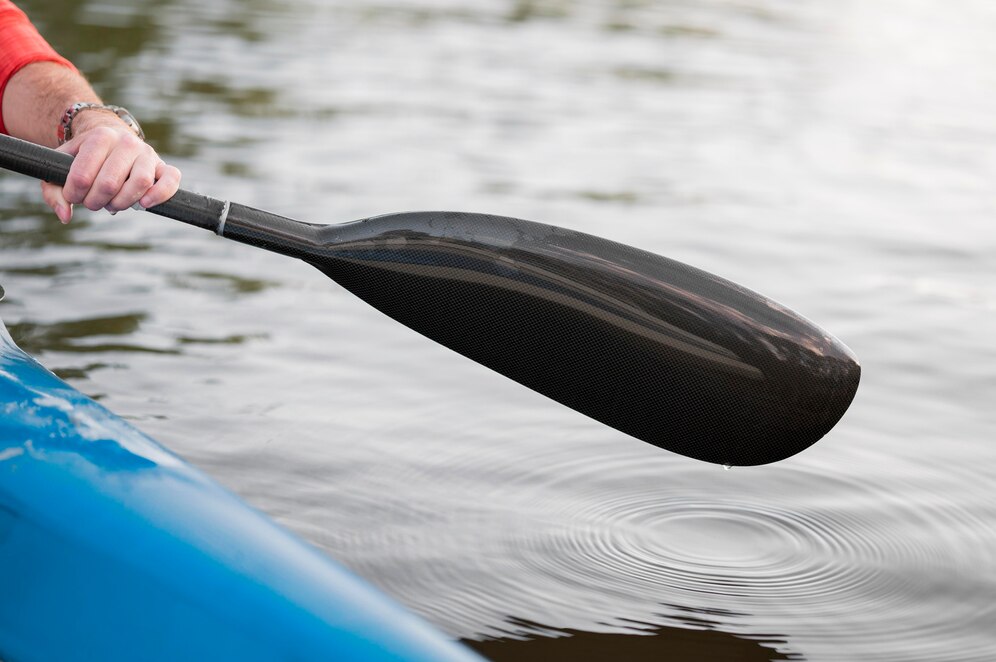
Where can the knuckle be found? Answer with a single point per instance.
(76, 185)
(144, 181)
(78, 179)
(130, 140)
(107, 188)
(171, 178)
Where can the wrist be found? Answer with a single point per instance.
(82, 117)
(96, 118)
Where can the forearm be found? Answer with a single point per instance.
(113, 168)
(37, 96)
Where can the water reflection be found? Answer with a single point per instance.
(83, 336)
(25, 224)
(645, 643)
(106, 40)
(246, 102)
(225, 284)
(101, 37)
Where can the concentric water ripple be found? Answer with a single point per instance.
(847, 565)
(851, 565)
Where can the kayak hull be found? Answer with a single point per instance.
(113, 548)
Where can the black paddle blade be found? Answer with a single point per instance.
(667, 353)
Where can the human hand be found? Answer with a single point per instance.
(113, 169)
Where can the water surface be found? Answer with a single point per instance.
(836, 156)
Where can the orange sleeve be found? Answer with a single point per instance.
(20, 44)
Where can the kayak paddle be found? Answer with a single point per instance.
(662, 351)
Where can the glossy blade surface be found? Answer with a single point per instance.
(662, 351)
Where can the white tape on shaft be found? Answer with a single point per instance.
(224, 217)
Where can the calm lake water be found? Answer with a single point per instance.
(838, 156)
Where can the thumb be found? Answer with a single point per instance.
(52, 194)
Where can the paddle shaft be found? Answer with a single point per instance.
(53, 166)
(231, 220)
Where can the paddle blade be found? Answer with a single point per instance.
(667, 353)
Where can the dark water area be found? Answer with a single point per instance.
(643, 643)
(835, 156)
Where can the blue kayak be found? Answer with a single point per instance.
(113, 548)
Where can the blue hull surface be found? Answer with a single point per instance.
(112, 548)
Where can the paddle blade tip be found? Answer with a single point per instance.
(811, 399)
